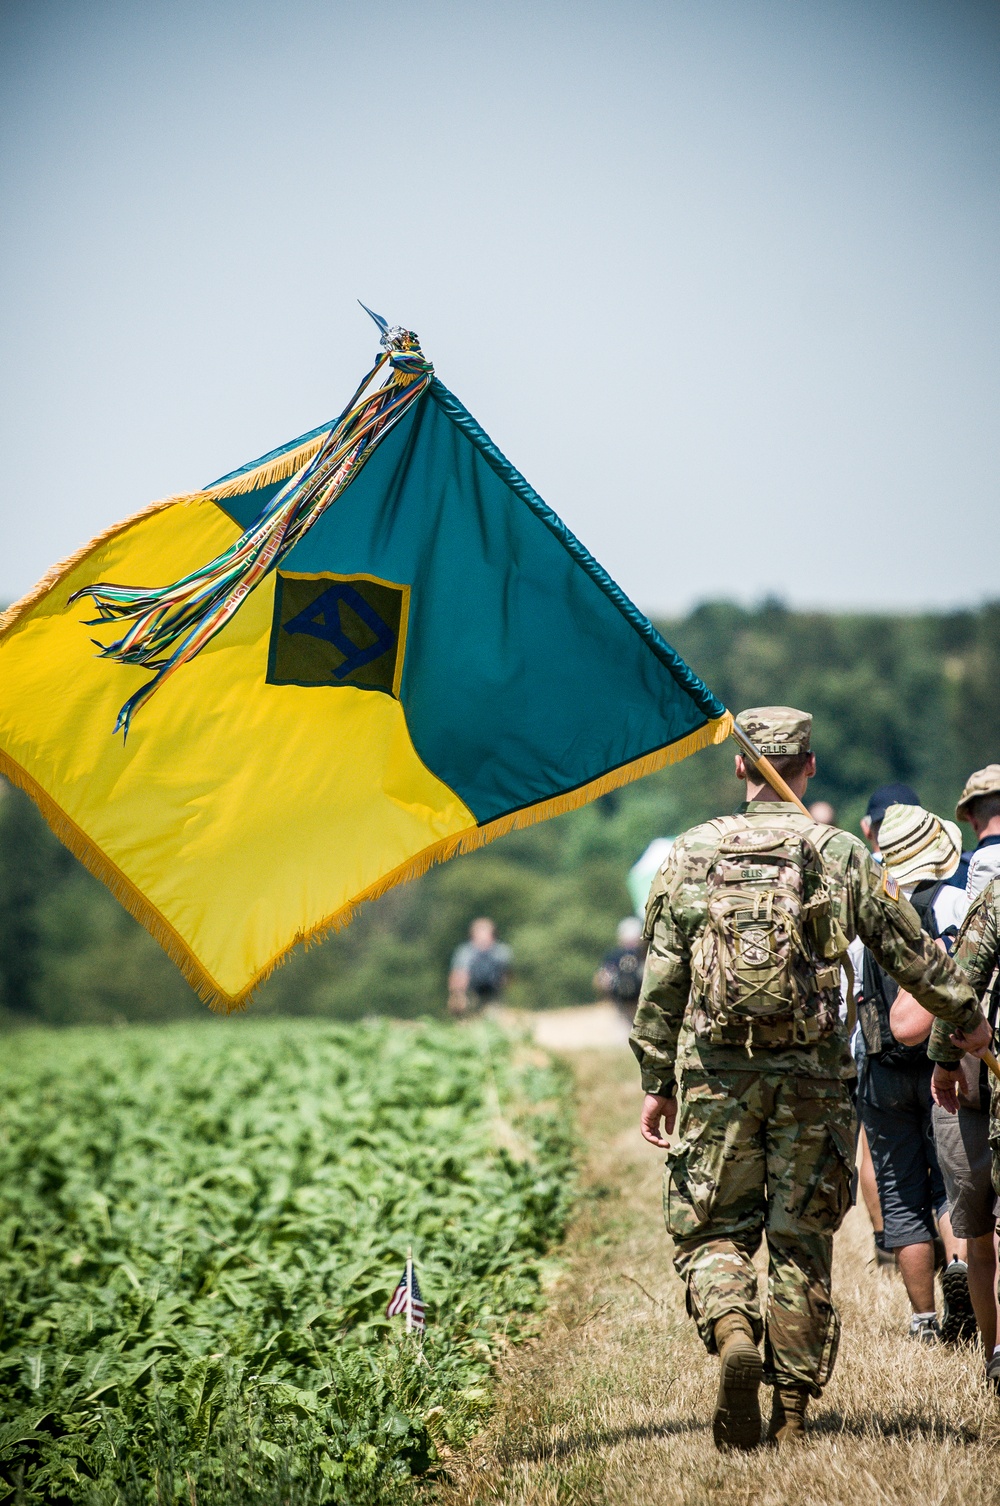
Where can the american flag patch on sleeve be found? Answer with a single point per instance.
(890, 886)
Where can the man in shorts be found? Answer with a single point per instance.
(962, 1125)
(920, 852)
(962, 1140)
(962, 1131)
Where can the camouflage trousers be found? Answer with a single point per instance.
(762, 1153)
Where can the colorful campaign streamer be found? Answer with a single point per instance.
(173, 623)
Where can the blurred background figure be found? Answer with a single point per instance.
(479, 968)
(619, 977)
(823, 812)
(643, 872)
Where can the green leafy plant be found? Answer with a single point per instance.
(200, 1227)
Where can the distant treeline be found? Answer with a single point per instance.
(912, 698)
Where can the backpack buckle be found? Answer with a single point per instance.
(802, 1034)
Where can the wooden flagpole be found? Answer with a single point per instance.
(992, 1063)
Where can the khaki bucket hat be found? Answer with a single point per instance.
(982, 782)
(917, 845)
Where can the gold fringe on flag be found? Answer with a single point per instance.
(206, 987)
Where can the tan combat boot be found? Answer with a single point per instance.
(736, 1421)
(788, 1415)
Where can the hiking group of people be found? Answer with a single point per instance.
(801, 990)
(810, 1016)
(926, 1172)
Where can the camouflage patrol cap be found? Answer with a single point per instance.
(982, 782)
(777, 730)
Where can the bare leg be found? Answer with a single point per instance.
(982, 1288)
(866, 1177)
(916, 1266)
(954, 1249)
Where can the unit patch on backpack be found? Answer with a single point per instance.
(766, 966)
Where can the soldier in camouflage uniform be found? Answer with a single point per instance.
(766, 1134)
(978, 955)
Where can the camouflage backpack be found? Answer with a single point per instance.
(765, 970)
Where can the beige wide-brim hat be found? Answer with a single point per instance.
(917, 845)
(982, 782)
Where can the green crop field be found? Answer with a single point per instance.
(200, 1227)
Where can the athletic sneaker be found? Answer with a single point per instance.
(925, 1329)
(958, 1320)
(993, 1373)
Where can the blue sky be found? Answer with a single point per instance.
(720, 278)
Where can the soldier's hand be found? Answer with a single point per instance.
(944, 1087)
(655, 1109)
(977, 1041)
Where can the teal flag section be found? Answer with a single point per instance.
(526, 672)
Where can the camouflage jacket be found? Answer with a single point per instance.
(977, 953)
(664, 1037)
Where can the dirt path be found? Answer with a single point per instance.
(611, 1403)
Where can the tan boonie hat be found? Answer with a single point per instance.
(777, 730)
(982, 782)
(917, 845)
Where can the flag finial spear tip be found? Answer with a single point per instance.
(394, 338)
(377, 317)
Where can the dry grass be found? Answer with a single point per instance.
(612, 1402)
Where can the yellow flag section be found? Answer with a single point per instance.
(212, 823)
(434, 662)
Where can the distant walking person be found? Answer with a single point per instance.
(479, 968)
(619, 977)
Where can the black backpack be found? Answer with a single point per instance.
(627, 985)
(878, 991)
(486, 972)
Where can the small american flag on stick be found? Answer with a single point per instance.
(407, 1299)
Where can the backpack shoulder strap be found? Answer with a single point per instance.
(725, 825)
(822, 836)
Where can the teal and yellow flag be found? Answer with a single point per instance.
(381, 648)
